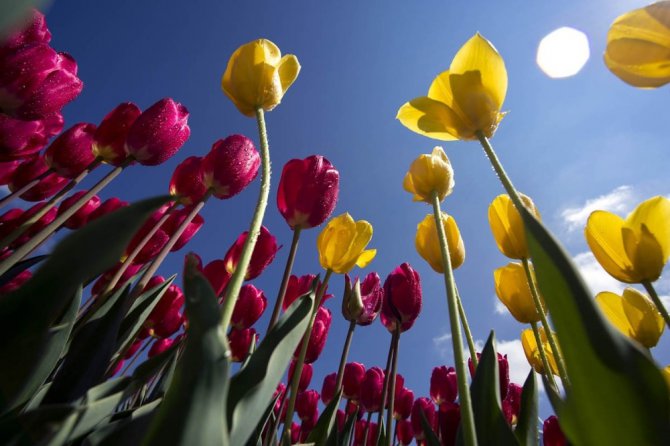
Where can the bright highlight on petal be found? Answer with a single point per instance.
(563, 52)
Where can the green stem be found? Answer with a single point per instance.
(135, 357)
(26, 248)
(657, 301)
(367, 429)
(466, 328)
(297, 370)
(467, 417)
(394, 368)
(345, 354)
(500, 171)
(553, 343)
(543, 355)
(233, 289)
(285, 278)
(385, 387)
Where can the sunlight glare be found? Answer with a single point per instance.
(563, 52)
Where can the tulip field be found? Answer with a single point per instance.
(282, 290)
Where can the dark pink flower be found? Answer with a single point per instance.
(31, 169)
(169, 324)
(328, 388)
(107, 207)
(16, 282)
(249, 307)
(79, 218)
(101, 284)
(279, 394)
(20, 138)
(230, 166)
(552, 433)
(264, 253)
(7, 170)
(33, 30)
(365, 430)
(371, 389)
(70, 154)
(173, 222)
(402, 404)
(9, 221)
(240, 343)
(218, 276)
(133, 348)
(299, 286)
(36, 227)
(402, 298)
(354, 372)
(371, 296)
(449, 418)
(305, 375)
(159, 346)
(155, 243)
(443, 385)
(405, 432)
(306, 404)
(109, 140)
(511, 405)
(187, 181)
(426, 406)
(317, 339)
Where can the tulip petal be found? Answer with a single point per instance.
(644, 253)
(366, 257)
(440, 90)
(642, 76)
(431, 118)
(477, 104)
(288, 70)
(603, 235)
(645, 320)
(655, 215)
(612, 307)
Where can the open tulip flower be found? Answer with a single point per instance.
(634, 314)
(507, 225)
(428, 245)
(464, 100)
(430, 173)
(635, 249)
(342, 244)
(638, 46)
(257, 76)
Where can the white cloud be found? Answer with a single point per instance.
(595, 276)
(620, 201)
(500, 307)
(518, 365)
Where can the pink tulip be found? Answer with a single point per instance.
(443, 385)
(402, 404)
(426, 406)
(317, 339)
(449, 419)
(305, 375)
(552, 433)
(371, 389)
(306, 404)
(230, 166)
(31, 169)
(80, 218)
(107, 207)
(328, 388)
(402, 298)
(109, 140)
(159, 346)
(240, 343)
(353, 375)
(187, 182)
(175, 220)
(264, 253)
(70, 154)
(249, 307)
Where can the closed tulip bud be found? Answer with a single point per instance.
(53, 124)
(249, 307)
(305, 375)
(7, 170)
(402, 405)
(175, 220)
(159, 346)
(133, 348)
(427, 242)
(426, 406)
(319, 335)
(257, 76)
(402, 298)
(449, 419)
(306, 404)
(308, 191)
(430, 173)
(172, 299)
(299, 286)
(109, 140)
(153, 246)
(80, 218)
(634, 249)
(158, 133)
(16, 282)
(33, 30)
(371, 389)
(353, 375)
(507, 225)
(443, 385)
(405, 432)
(20, 139)
(532, 352)
(342, 244)
(264, 253)
(552, 435)
(230, 166)
(217, 275)
(31, 169)
(70, 154)
(352, 303)
(107, 207)
(372, 295)
(240, 343)
(513, 290)
(633, 314)
(328, 388)
(511, 404)
(295, 432)
(187, 182)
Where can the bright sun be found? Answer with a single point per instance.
(563, 52)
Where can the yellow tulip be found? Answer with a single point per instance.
(428, 245)
(507, 225)
(533, 353)
(666, 375)
(428, 173)
(463, 100)
(257, 76)
(633, 314)
(638, 46)
(636, 249)
(342, 243)
(513, 290)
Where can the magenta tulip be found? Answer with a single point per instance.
(552, 433)
(372, 389)
(79, 218)
(70, 154)
(109, 140)
(249, 307)
(107, 207)
(305, 375)
(328, 388)
(426, 406)
(230, 166)
(240, 343)
(402, 298)
(31, 169)
(353, 375)
(187, 182)
(443, 385)
(159, 346)
(264, 253)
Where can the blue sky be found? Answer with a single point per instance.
(572, 143)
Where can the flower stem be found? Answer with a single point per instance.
(657, 301)
(467, 423)
(233, 289)
(466, 328)
(297, 369)
(367, 428)
(385, 387)
(553, 343)
(135, 357)
(9, 198)
(345, 354)
(284, 280)
(394, 368)
(500, 171)
(543, 355)
(38, 238)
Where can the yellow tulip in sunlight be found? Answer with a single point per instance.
(666, 375)
(428, 245)
(507, 225)
(533, 353)
(463, 100)
(342, 243)
(636, 249)
(638, 46)
(634, 314)
(513, 290)
(257, 76)
(428, 173)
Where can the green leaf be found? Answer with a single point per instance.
(324, 426)
(125, 431)
(13, 14)
(193, 410)
(526, 429)
(617, 394)
(252, 388)
(430, 437)
(19, 268)
(161, 364)
(490, 423)
(348, 431)
(381, 433)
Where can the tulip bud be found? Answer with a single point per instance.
(249, 307)
(7, 169)
(159, 346)
(31, 169)
(449, 419)
(507, 225)
(109, 140)
(364, 429)
(36, 227)
(511, 404)
(80, 217)
(328, 388)
(342, 243)
(532, 352)
(443, 385)
(107, 207)
(402, 405)
(158, 133)
(405, 432)
(240, 343)
(427, 242)
(353, 375)
(9, 221)
(402, 298)
(372, 295)
(308, 191)
(257, 76)
(70, 154)
(172, 299)
(305, 375)
(513, 290)
(299, 286)
(426, 406)
(217, 275)
(430, 173)
(20, 139)
(295, 432)
(352, 303)
(16, 282)
(230, 166)
(133, 348)
(264, 253)
(552, 434)
(187, 182)
(317, 339)
(371, 389)
(169, 324)
(175, 220)
(306, 404)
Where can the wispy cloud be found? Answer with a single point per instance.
(500, 307)
(620, 201)
(595, 276)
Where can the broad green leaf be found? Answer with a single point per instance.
(617, 394)
(348, 431)
(327, 421)
(193, 410)
(430, 437)
(526, 428)
(125, 431)
(157, 365)
(490, 423)
(268, 416)
(251, 389)
(14, 13)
